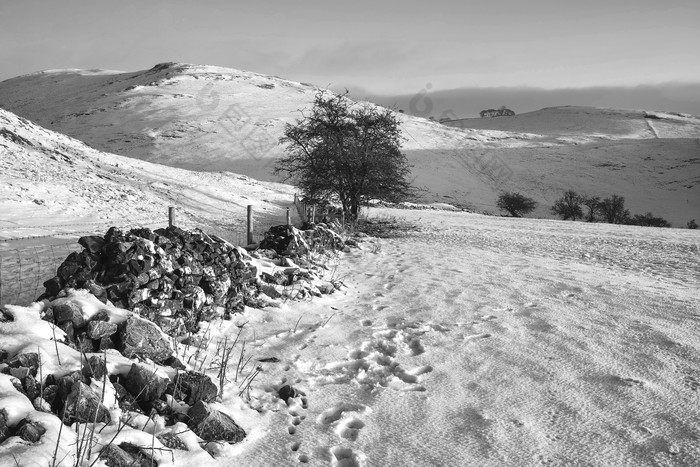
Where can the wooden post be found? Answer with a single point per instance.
(296, 199)
(171, 216)
(289, 217)
(342, 219)
(313, 214)
(250, 224)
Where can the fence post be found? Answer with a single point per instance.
(250, 224)
(313, 214)
(171, 216)
(296, 199)
(289, 217)
(342, 219)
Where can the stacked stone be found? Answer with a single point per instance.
(172, 277)
(287, 240)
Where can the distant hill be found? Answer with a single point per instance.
(210, 118)
(578, 121)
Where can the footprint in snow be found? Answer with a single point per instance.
(334, 414)
(346, 457)
(349, 428)
(477, 336)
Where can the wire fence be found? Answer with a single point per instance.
(30, 254)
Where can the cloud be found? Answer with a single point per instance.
(352, 59)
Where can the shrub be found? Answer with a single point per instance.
(649, 220)
(515, 204)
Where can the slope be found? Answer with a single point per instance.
(210, 118)
(55, 182)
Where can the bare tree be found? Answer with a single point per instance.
(613, 210)
(347, 152)
(569, 206)
(593, 205)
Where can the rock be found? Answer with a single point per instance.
(31, 387)
(65, 384)
(50, 392)
(30, 431)
(143, 339)
(171, 440)
(101, 315)
(125, 455)
(20, 372)
(126, 401)
(53, 287)
(144, 384)
(213, 425)
(326, 287)
(192, 387)
(286, 392)
(97, 290)
(270, 291)
(96, 368)
(92, 243)
(41, 405)
(69, 311)
(84, 405)
(100, 329)
(28, 360)
(4, 429)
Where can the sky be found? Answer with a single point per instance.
(385, 48)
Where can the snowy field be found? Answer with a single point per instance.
(483, 341)
(469, 341)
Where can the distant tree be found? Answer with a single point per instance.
(569, 206)
(613, 210)
(648, 220)
(345, 151)
(515, 204)
(692, 224)
(593, 205)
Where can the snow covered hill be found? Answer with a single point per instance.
(56, 182)
(210, 118)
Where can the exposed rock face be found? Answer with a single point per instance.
(211, 425)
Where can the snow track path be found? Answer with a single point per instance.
(493, 342)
